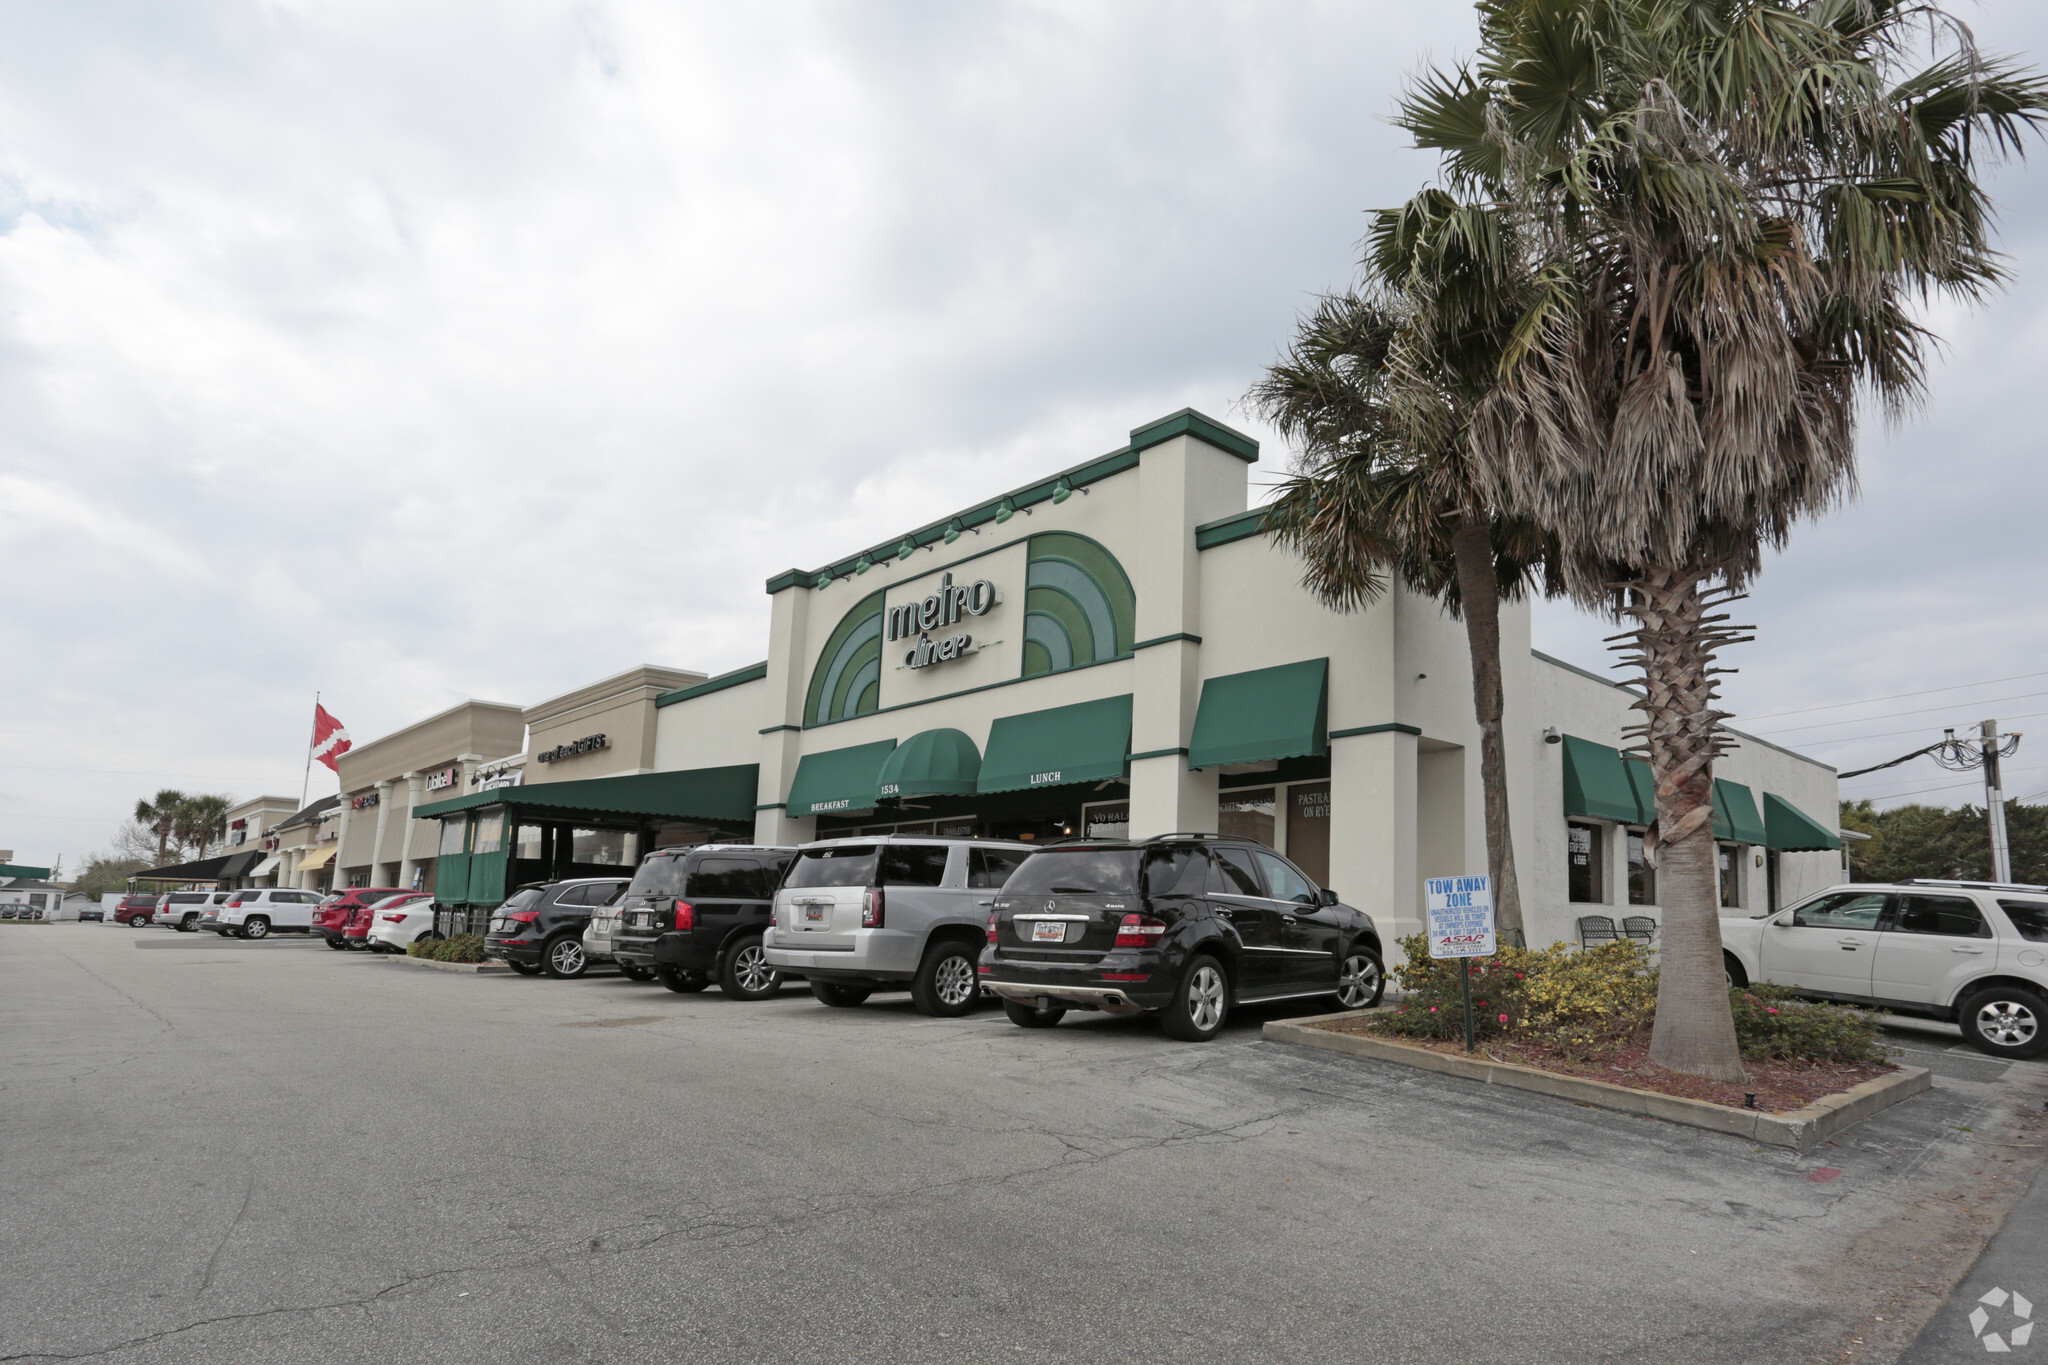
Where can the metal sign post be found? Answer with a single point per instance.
(1461, 926)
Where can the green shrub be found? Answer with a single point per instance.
(458, 948)
(1771, 1023)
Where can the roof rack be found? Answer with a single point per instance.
(1972, 886)
(1185, 834)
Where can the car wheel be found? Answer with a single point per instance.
(257, 927)
(522, 968)
(188, 924)
(1731, 968)
(633, 973)
(1361, 980)
(1200, 1003)
(564, 958)
(837, 996)
(1030, 1016)
(336, 944)
(681, 982)
(946, 985)
(745, 973)
(2005, 1022)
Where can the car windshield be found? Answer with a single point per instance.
(658, 877)
(522, 899)
(838, 865)
(1076, 872)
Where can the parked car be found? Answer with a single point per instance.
(597, 940)
(397, 920)
(340, 909)
(693, 916)
(92, 912)
(854, 916)
(540, 925)
(1972, 953)
(135, 911)
(1187, 926)
(181, 910)
(355, 933)
(257, 912)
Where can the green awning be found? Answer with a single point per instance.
(1089, 741)
(838, 779)
(1644, 785)
(931, 763)
(1596, 783)
(1791, 830)
(1735, 816)
(724, 794)
(1268, 713)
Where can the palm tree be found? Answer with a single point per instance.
(1728, 209)
(1377, 405)
(203, 820)
(159, 816)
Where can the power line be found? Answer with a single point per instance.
(1893, 715)
(1896, 696)
(1886, 796)
(1889, 734)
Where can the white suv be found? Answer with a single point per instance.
(1972, 953)
(256, 912)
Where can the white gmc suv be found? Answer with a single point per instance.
(257, 911)
(1972, 953)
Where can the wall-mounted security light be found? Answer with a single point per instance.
(1551, 736)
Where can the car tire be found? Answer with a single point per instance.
(336, 944)
(1030, 1016)
(1361, 980)
(2005, 1021)
(1731, 969)
(1201, 1002)
(837, 996)
(744, 973)
(564, 958)
(189, 924)
(681, 982)
(257, 927)
(946, 986)
(524, 969)
(633, 973)
(223, 932)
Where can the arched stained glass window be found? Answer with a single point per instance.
(847, 680)
(1079, 608)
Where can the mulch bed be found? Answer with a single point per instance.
(1779, 1085)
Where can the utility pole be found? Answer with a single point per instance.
(1994, 802)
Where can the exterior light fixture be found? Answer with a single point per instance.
(863, 564)
(824, 580)
(906, 549)
(1062, 490)
(952, 530)
(1005, 510)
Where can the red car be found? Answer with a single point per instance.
(344, 918)
(356, 932)
(134, 910)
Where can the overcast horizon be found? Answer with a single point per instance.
(413, 353)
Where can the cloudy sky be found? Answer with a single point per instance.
(412, 352)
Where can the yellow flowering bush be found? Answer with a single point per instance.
(1578, 1001)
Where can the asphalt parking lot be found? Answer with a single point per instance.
(231, 1152)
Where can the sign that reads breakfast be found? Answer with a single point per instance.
(949, 606)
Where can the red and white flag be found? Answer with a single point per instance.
(330, 737)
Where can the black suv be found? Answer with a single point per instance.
(695, 915)
(540, 926)
(1188, 925)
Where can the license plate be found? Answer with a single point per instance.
(814, 914)
(643, 921)
(498, 926)
(1048, 931)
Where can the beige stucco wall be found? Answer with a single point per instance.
(396, 766)
(621, 708)
(717, 730)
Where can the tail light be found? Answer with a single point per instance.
(991, 927)
(394, 919)
(686, 915)
(1139, 931)
(523, 916)
(871, 909)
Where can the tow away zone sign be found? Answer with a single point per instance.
(1460, 916)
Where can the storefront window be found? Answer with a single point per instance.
(526, 842)
(961, 827)
(1728, 863)
(454, 829)
(1582, 863)
(1247, 815)
(1308, 829)
(1111, 820)
(604, 846)
(1642, 878)
(490, 832)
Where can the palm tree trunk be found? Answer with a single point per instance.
(1674, 644)
(1479, 593)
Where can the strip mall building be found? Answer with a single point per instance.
(1118, 650)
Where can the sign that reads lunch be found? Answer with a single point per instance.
(1460, 916)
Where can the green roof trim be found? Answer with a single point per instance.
(1394, 727)
(1596, 783)
(16, 870)
(1243, 526)
(1088, 741)
(1165, 640)
(751, 673)
(1266, 713)
(1188, 422)
(838, 779)
(789, 578)
(725, 794)
(930, 763)
(1735, 814)
(1791, 830)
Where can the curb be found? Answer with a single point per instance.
(1798, 1129)
(471, 968)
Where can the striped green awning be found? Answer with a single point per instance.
(1267, 713)
(839, 780)
(1089, 741)
(1597, 783)
(931, 763)
(1735, 816)
(1791, 830)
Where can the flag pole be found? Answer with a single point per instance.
(306, 783)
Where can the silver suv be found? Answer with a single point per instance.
(1972, 953)
(854, 916)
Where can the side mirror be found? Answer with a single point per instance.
(1329, 897)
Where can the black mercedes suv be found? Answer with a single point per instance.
(540, 926)
(695, 915)
(1188, 925)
